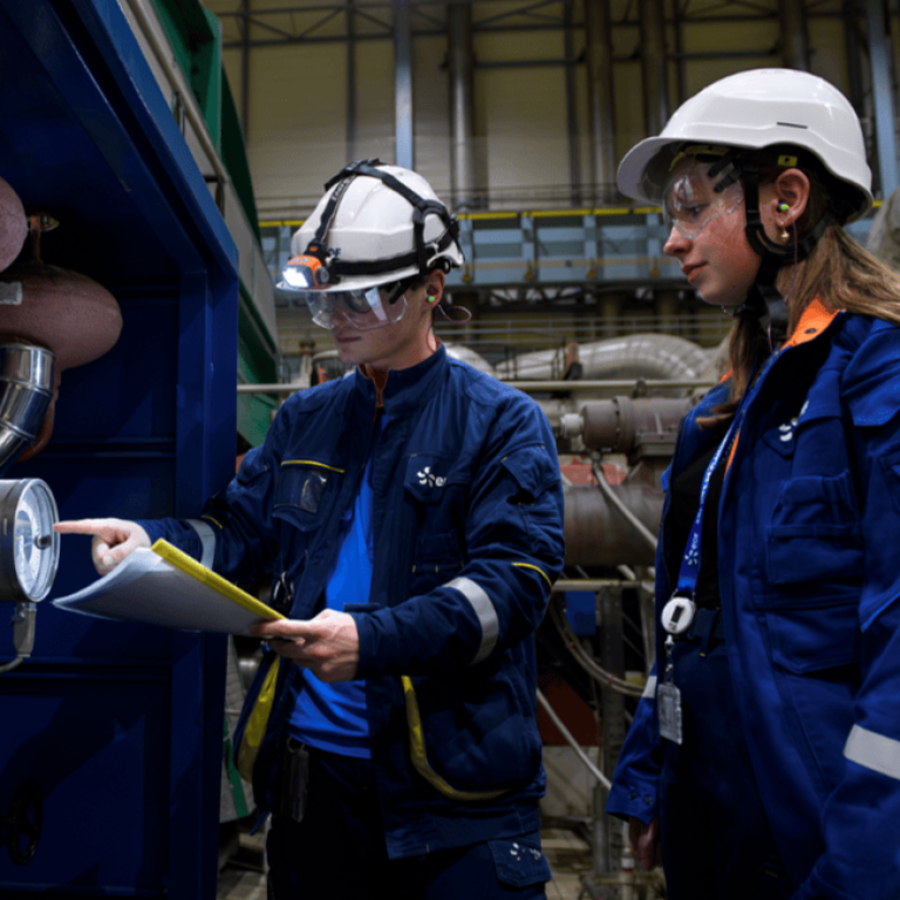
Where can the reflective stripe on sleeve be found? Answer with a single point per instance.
(874, 751)
(207, 540)
(484, 609)
(650, 689)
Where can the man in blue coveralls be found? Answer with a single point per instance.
(410, 516)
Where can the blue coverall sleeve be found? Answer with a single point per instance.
(513, 535)
(635, 784)
(237, 520)
(859, 821)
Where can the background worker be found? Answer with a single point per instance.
(410, 516)
(766, 757)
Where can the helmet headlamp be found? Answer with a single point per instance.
(304, 272)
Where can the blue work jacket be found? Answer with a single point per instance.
(809, 571)
(468, 540)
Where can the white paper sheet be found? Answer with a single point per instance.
(144, 587)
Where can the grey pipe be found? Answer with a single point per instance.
(596, 533)
(26, 389)
(462, 161)
(653, 64)
(647, 356)
(794, 41)
(599, 57)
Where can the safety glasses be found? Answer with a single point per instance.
(363, 310)
(691, 202)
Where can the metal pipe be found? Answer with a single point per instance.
(403, 86)
(164, 56)
(26, 389)
(570, 740)
(596, 532)
(462, 119)
(653, 65)
(621, 384)
(644, 356)
(599, 59)
(616, 503)
(883, 94)
(571, 112)
(594, 584)
(794, 40)
(616, 424)
(351, 81)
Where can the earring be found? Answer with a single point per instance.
(785, 237)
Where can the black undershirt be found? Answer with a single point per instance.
(685, 498)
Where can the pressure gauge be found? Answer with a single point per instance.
(29, 547)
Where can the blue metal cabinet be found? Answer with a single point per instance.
(120, 725)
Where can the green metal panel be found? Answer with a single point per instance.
(256, 365)
(234, 156)
(196, 38)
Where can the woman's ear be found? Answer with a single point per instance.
(792, 196)
(434, 287)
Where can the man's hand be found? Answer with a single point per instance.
(645, 842)
(327, 645)
(113, 539)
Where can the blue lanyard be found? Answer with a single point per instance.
(690, 562)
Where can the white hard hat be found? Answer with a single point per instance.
(757, 109)
(386, 225)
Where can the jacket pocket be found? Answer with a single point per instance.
(472, 735)
(815, 532)
(811, 638)
(305, 490)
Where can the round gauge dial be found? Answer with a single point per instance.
(29, 547)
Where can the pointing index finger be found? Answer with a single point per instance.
(77, 526)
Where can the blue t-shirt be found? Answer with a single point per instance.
(333, 716)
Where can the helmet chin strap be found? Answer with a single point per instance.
(764, 304)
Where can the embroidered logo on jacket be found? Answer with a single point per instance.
(427, 477)
(787, 430)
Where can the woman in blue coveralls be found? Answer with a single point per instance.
(764, 757)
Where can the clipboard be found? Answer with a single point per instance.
(164, 586)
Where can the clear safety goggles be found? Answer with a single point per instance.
(363, 310)
(690, 200)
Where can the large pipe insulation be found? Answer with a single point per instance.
(467, 355)
(70, 314)
(599, 524)
(13, 225)
(597, 534)
(650, 356)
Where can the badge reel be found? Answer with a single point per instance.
(676, 618)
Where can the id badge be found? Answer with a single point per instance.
(668, 704)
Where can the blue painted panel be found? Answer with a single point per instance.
(109, 733)
(120, 724)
